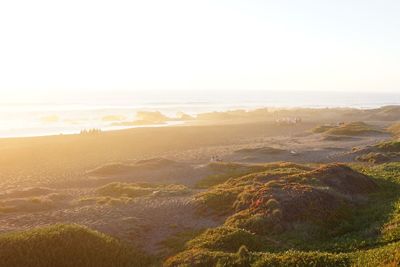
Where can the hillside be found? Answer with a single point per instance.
(296, 215)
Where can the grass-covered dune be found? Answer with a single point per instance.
(132, 190)
(124, 168)
(381, 152)
(395, 129)
(348, 129)
(222, 171)
(66, 246)
(385, 256)
(390, 146)
(122, 193)
(295, 215)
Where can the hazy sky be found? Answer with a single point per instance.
(199, 45)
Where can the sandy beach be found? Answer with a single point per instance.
(55, 179)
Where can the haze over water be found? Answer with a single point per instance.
(73, 113)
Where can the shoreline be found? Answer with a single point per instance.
(172, 122)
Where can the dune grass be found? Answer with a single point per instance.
(388, 255)
(117, 193)
(347, 129)
(228, 170)
(382, 152)
(133, 190)
(225, 171)
(66, 246)
(389, 146)
(177, 243)
(373, 157)
(395, 129)
(368, 235)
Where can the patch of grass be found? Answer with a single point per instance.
(347, 129)
(226, 171)
(236, 190)
(216, 179)
(220, 199)
(388, 255)
(375, 158)
(395, 129)
(105, 200)
(302, 259)
(133, 190)
(30, 204)
(177, 243)
(228, 239)
(200, 258)
(322, 128)
(380, 153)
(66, 246)
(390, 146)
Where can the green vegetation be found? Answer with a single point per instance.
(395, 129)
(66, 246)
(227, 239)
(282, 214)
(382, 152)
(225, 171)
(347, 129)
(330, 215)
(322, 128)
(177, 243)
(120, 168)
(375, 158)
(132, 190)
(390, 146)
(225, 195)
(31, 201)
(384, 256)
(122, 193)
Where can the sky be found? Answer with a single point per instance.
(90, 46)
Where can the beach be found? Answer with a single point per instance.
(55, 179)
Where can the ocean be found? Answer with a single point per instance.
(75, 113)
